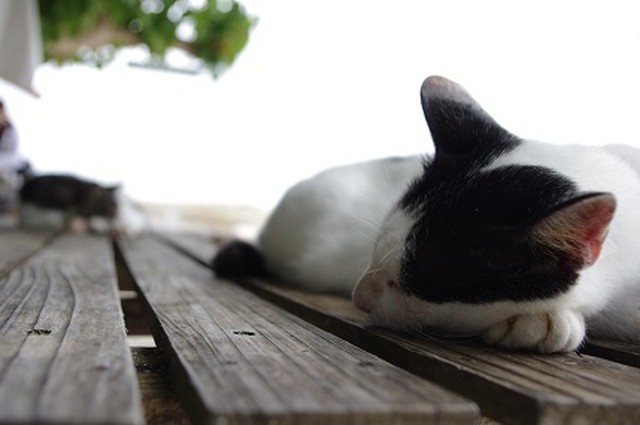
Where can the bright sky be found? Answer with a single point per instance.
(330, 82)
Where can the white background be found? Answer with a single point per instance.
(330, 82)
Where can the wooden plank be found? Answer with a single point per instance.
(63, 352)
(200, 248)
(203, 248)
(16, 246)
(519, 388)
(239, 360)
(621, 352)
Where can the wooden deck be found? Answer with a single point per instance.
(254, 352)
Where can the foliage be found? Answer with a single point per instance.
(214, 31)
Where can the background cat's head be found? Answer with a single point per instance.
(97, 200)
(475, 240)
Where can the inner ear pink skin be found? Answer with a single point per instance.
(599, 215)
(580, 228)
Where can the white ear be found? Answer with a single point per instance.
(579, 228)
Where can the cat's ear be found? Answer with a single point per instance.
(579, 227)
(458, 124)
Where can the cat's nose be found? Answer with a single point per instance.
(360, 301)
(366, 293)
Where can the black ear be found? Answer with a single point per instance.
(578, 228)
(458, 124)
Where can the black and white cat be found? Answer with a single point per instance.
(523, 243)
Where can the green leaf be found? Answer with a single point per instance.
(68, 27)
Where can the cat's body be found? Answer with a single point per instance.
(321, 234)
(514, 240)
(68, 202)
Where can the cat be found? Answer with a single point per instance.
(527, 245)
(66, 202)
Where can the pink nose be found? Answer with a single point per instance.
(367, 293)
(361, 302)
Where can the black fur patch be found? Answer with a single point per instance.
(471, 240)
(238, 259)
(464, 130)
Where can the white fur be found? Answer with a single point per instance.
(130, 219)
(328, 228)
(321, 234)
(337, 228)
(608, 293)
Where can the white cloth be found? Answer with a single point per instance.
(20, 42)
(10, 158)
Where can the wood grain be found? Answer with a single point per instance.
(63, 352)
(239, 360)
(621, 352)
(518, 388)
(17, 245)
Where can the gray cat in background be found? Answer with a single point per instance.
(65, 202)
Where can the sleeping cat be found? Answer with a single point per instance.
(71, 203)
(523, 243)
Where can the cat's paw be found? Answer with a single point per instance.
(558, 331)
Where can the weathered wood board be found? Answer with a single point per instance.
(518, 388)
(17, 245)
(621, 352)
(64, 358)
(513, 387)
(240, 360)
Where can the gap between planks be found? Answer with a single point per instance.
(209, 408)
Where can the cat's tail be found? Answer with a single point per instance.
(238, 259)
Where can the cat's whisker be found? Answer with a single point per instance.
(373, 271)
(371, 225)
(386, 256)
(366, 235)
(385, 171)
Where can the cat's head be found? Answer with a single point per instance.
(97, 200)
(473, 242)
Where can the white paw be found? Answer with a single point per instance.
(558, 331)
